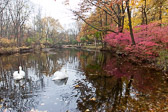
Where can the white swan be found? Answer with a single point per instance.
(17, 75)
(60, 75)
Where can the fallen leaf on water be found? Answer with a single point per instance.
(93, 99)
(77, 86)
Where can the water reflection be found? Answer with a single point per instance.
(120, 86)
(97, 82)
(60, 82)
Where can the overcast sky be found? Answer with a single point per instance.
(57, 9)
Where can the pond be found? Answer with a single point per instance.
(97, 82)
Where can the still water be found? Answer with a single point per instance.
(97, 82)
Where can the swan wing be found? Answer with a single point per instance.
(60, 75)
(22, 73)
(18, 76)
(55, 78)
(15, 74)
(57, 73)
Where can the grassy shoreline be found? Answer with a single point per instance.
(13, 50)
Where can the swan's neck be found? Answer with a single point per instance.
(19, 70)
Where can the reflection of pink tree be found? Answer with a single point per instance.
(147, 81)
(119, 69)
(144, 78)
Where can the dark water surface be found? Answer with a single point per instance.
(98, 82)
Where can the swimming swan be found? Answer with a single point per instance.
(17, 75)
(60, 75)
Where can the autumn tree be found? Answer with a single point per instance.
(38, 26)
(73, 31)
(51, 28)
(19, 13)
(112, 10)
(109, 12)
(3, 15)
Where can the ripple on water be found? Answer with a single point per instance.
(95, 83)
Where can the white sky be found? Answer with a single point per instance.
(57, 9)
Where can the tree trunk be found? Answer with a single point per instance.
(146, 19)
(123, 17)
(1, 22)
(130, 23)
(101, 24)
(119, 19)
(160, 15)
(95, 42)
(143, 20)
(105, 44)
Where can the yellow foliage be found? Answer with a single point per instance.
(4, 42)
(93, 99)
(126, 26)
(136, 21)
(9, 50)
(77, 86)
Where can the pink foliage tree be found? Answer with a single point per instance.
(149, 39)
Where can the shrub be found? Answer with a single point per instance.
(149, 40)
(4, 42)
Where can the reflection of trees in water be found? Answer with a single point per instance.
(108, 91)
(127, 87)
(24, 95)
(19, 95)
(112, 93)
(92, 62)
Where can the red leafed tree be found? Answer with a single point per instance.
(148, 41)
